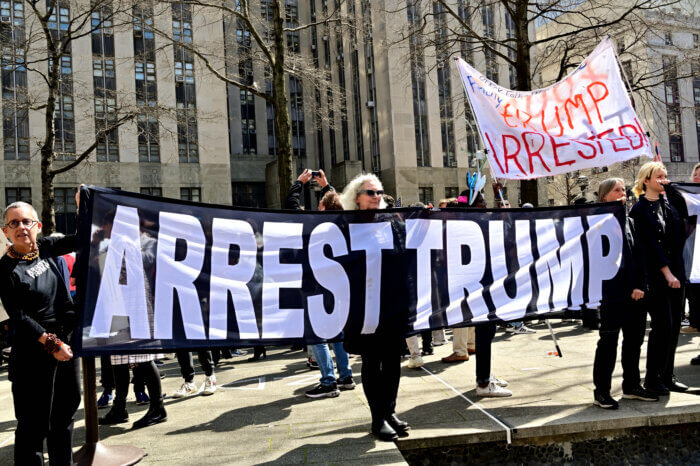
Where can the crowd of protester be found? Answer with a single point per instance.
(37, 293)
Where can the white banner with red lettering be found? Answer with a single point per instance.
(583, 121)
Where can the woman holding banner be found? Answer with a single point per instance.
(628, 316)
(44, 374)
(661, 236)
(381, 351)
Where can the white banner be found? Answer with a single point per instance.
(583, 121)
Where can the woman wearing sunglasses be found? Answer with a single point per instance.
(381, 350)
(44, 374)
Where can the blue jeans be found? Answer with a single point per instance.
(322, 353)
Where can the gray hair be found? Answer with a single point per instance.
(19, 205)
(608, 185)
(349, 196)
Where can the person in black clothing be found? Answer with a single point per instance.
(660, 234)
(381, 350)
(44, 374)
(628, 315)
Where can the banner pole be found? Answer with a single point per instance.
(94, 452)
(471, 108)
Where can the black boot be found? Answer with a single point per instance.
(153, 416)
(384, 432)
(258, 353)
(114, 416)
(401, 427)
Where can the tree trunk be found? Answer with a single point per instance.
(48, 155)
(283, 133)
(528, 188)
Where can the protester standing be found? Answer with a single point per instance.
(660, 234)
(628, 315)
(381, 351)
(43, 371)
(692, 290)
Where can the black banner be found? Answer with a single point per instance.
(159, 274)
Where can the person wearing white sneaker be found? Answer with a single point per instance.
(416, 360)
(209, 385)
(492, 390)
(184, 358)
(187, 389)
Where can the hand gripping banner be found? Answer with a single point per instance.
(157, 274)
(583, 121)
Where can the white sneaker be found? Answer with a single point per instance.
(497, 381)
(209, 385)
(415, 362)
(187, 389)
(493, 391)
(523, 330)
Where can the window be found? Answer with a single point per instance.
(190, 194)
(185, 94)
(451, 191)
(673, 108)
(371, 88)
(420, 111)
(668, 39)
(248, 194)
(64, 208)
(152, 191)
(425, 195)
(18, 194)
(105, 85)
(15, 106)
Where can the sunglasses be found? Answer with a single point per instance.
(26, 222)
(372, 192)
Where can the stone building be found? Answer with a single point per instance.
(402, 113)
(662, 53)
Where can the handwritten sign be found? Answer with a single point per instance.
(583, 121)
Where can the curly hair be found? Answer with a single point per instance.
(349, 196)
(645, 173)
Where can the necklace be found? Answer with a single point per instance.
(30, 256)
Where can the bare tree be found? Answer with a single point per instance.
(38, 42)
(268, 39)
(571, 20)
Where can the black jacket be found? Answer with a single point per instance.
(661, 246)
(293, 200)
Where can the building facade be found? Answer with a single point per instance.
(660, 56)
(400, 110)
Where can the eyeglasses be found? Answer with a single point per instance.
(372, 192)
(26, 222)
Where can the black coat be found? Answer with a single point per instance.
(661, 246)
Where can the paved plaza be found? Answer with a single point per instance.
(260, 414)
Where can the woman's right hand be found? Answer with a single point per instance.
(672, 281)
(63, 354)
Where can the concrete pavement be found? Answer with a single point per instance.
(260, 414)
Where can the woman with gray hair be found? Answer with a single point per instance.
(381, 350)
(363, 192)
(43, 371)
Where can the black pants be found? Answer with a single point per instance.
(630, 317)
(106, 376)
(146, 371)
(484, 336)
(381, 373)
(46, 395)
(184, 358)
(665, 306)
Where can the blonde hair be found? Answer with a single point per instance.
(697, 165)
(608, 185)
(349, 196)
(645, 173)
